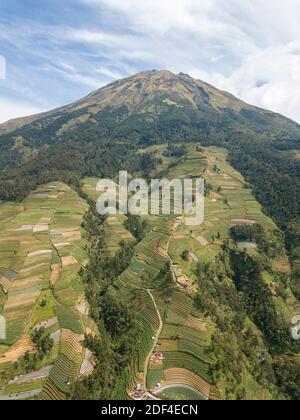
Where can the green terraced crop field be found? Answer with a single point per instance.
(180, 394)
(41, 252)
(42, 249)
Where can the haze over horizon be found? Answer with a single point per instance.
(60, 52)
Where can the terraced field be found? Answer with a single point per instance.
(181, 356)
(114, 226)
(41, 252)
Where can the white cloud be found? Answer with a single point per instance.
(269, 79)
(11, 109)
(248, 48)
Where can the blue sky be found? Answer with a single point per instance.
(58, 51)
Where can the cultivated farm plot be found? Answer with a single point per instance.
(186, 334)
(41, 253)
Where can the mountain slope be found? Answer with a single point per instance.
(101, 133)
(224, 290)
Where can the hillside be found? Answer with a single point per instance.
(99, 134)
(175, 283)
(202, 331)
(41, 253)
(126, 307)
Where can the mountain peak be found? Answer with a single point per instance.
(154, 95)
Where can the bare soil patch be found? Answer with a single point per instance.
(55, 269)
(243, 222)
(202, 240)
(66, 261)
(22, 300)
(17, 350)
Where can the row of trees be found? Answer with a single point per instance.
(115, 346)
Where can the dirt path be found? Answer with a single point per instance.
(21, 396)
(169, 256)
(154, 343)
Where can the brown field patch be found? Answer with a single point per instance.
(17, 350)
(162, 252)
(282, 265)
(55, 269)
(45, 220)
(185, 284)
(180, 235)
(243, 222)
(37, 258)
(196, 324)
(202, 240)
(82, 307)
(22, 300)
(17, 238)
(27, 271)
(6, 284)
(16, 314)
(70, 260)
(68, 235)
(39, 228)
(24, 283)
(165, 345)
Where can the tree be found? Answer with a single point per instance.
(185, 255)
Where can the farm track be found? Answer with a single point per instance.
(161, 324)
(171, 259)
(21, 396)
(157, 335)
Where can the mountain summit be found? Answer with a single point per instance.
(151, 94)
